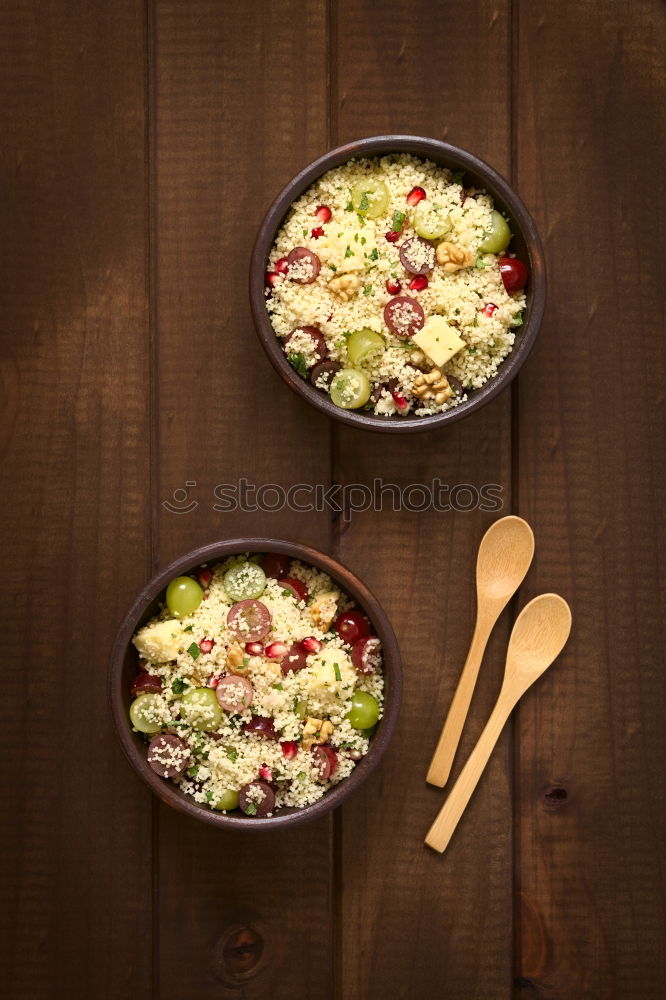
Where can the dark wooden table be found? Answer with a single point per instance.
(141, 144)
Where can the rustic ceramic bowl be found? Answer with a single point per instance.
(123, 667)
(525, 243)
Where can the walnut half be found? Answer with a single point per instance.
(434, 385)
(316, 731)
(344, 286)
(453, 258)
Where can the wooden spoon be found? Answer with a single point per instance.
(539, 634)
(504, 558)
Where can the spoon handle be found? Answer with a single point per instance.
(441, 831)
(442, 760)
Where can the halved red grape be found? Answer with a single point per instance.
(275, 565)
(365, 654)
(234, 694)
(145, 683)
(326, 760)
(298, 589)
(295, 660)
(332, 758)
(168, 755)
(417, 255)
(260, 725)
(404, 316)
(321, 374)
(316, 337)
(352, 626)
(514, 273)
(304, 265)
(249, 621)
(256, 799)
(455, 384)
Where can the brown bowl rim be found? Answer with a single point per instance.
(502, 193)
(134, 748)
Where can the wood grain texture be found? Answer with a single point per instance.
(76, 843)
(231, 127)
(409, 918)
(590, 437)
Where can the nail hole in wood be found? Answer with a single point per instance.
(555, 797)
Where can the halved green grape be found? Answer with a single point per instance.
(350, 389)
(199, 708)
(144, 711)
(244, 581)
(499, 236)
(370, 197)
(363, 345)
(227, 800)
(364, 711)
(183, 596)
(301, 708)
(430, 220)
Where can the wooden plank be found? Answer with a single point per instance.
(411, 919)
(240, 107)
(590, 758)
(76, 842)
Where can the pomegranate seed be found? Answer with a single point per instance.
(317, 232)
(310, 644)
(393, 286)
(265, 772)
(323, 214)
(214, 680)
(416, 195)
(276, 650)
(400, 401)
(254, 648)
(393, 236)
(489, 309)
(273, 278)
(282, 265)
(289, 749)
(205, 645)
(204, 576)
(419, 283)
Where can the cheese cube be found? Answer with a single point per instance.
(159, 642)
(438, 340)
(338, 247)
(323, 673)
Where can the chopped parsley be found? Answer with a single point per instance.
(332, 267)
(194, 651)
(517, 320)
(301, 775)
(364, 204)
(305, 232)
(363, 241)
(193, 771)
(346, 334)
(338, 675)
(188, 628)
(250, 808)
(375, 254)
(458, 177)
(398, 221)
(481, 263)
(232, 755)
(349, 252)
(472, 350)
(299, 364)
(367, 289)
(476, 320)
(209, 796)
(278, 687)
(349, 207)
(179, 685)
